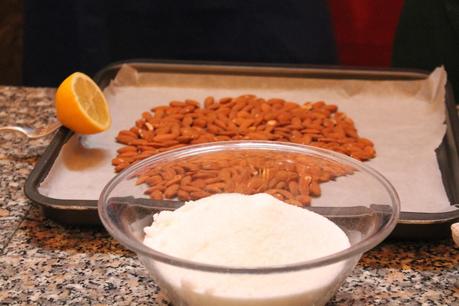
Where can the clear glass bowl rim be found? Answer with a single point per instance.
(355, 250)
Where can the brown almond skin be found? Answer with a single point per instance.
(215, 188)
(164, 137)
(190, 188)
(175, 180)
(118, 161)
(293, 187)
(186, 180)
(121, 167)
(156, 195)
(126, 149)
(154, 180)
(171, 191)
(314, 188)
(196, 195)
(183, 195)
(128, 154)
(127, 140)
(127, 133)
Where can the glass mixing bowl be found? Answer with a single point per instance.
(355, 197)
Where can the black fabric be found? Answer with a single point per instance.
(428, 36)
(65, 36)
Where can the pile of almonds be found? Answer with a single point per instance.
(247, 117)
(291, 177)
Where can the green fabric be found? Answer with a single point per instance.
(428, 36)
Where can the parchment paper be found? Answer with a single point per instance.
(405, 119)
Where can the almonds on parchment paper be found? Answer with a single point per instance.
(246, 117)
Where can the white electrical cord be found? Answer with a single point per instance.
(455, 233)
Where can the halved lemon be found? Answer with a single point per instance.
(81, 106)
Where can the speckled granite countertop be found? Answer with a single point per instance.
(44, 263)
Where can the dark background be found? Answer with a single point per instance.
(43, 41)
(11, 27)
(351, 22)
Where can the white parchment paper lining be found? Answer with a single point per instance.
(405, 119)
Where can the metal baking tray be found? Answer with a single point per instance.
(411, 225)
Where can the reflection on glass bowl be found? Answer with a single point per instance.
(360, 201)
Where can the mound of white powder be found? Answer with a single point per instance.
(246, 231)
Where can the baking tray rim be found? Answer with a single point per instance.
(45, 162)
